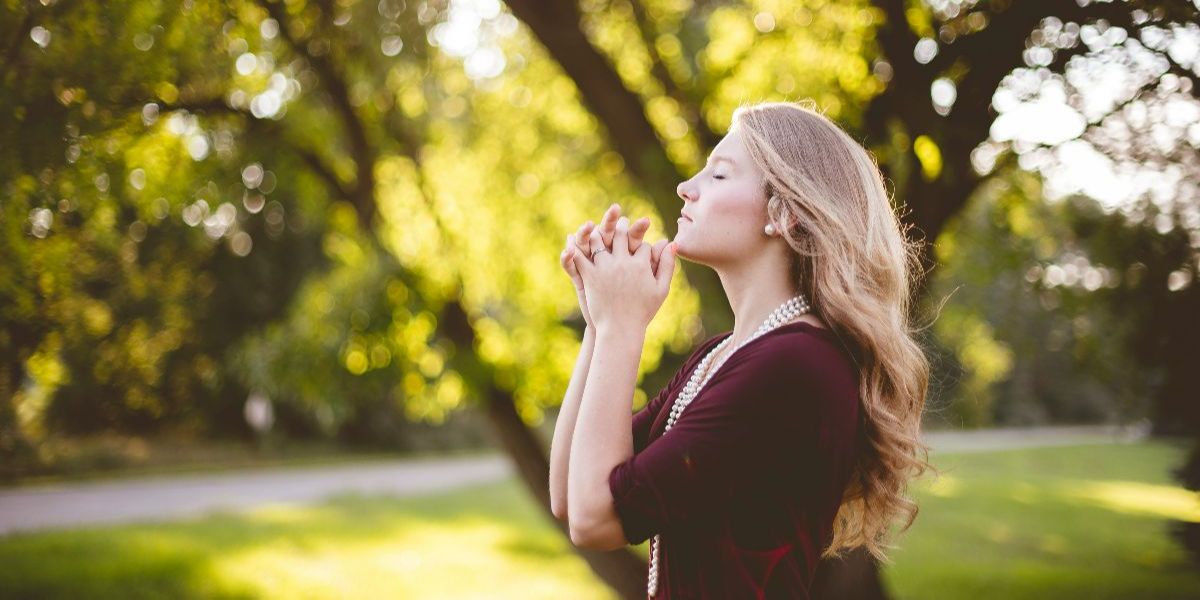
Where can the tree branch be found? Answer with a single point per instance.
(556, 25)
(362, 152)
(688, 103)
(308, 155)
(14, 47)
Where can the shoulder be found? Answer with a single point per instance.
(798, 365)
(796, 353)
(703, 349)
(799, 350)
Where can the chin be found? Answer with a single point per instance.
(681, 246)
(685, 251)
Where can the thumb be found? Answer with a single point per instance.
(656, 253)
(666, 267)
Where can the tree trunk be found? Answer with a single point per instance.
(17, 451)
(855, 577)
(620, 569)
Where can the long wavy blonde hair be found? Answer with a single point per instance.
(855, 263)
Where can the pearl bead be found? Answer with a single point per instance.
(785, 313)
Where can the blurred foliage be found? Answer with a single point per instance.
(132, 232)
(214, 198)
(166, 207)
(170, 138)
(1030, 316)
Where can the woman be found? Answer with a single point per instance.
(792, 437)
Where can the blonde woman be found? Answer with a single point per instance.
(788, 439)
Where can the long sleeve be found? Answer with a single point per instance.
(643, 420)
(733, 434)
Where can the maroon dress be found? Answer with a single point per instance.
(744, 487)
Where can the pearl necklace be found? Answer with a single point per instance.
(786, 313)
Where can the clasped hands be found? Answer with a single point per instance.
(623, 285)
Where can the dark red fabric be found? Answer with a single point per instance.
(745, 486)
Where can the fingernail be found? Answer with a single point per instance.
(623, 221)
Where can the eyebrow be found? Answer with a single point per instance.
(716, 159)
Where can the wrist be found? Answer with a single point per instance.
(619, 331)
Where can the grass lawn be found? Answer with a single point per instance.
(1072, 522)
(1076, 522)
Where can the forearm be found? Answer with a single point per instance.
(564, 426)
(603, 436)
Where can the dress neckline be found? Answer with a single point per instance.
(794, 325)
(822, 332)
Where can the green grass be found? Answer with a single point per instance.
(1074, 522)
(486, 541)
(1078, 522)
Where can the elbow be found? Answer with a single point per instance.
(603, 537)
(594, 524)
(558, 508)
(581, 539)
(558, 499)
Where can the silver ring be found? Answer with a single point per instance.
(598, 251)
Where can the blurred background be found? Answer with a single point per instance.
(291, 267)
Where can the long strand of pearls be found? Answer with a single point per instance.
(787, 312)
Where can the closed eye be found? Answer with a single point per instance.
(718, 177)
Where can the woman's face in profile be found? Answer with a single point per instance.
(724, 208)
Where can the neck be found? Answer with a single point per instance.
(754, 291)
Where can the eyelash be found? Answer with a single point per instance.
(718, 177)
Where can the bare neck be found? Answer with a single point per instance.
(753, 296)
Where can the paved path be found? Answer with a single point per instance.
(72, 504)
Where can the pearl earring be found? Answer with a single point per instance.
(769, 230)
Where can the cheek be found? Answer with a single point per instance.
(737, 209)
(727, 226)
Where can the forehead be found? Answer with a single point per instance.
(729, 149)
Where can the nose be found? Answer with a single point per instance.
(685, 193)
